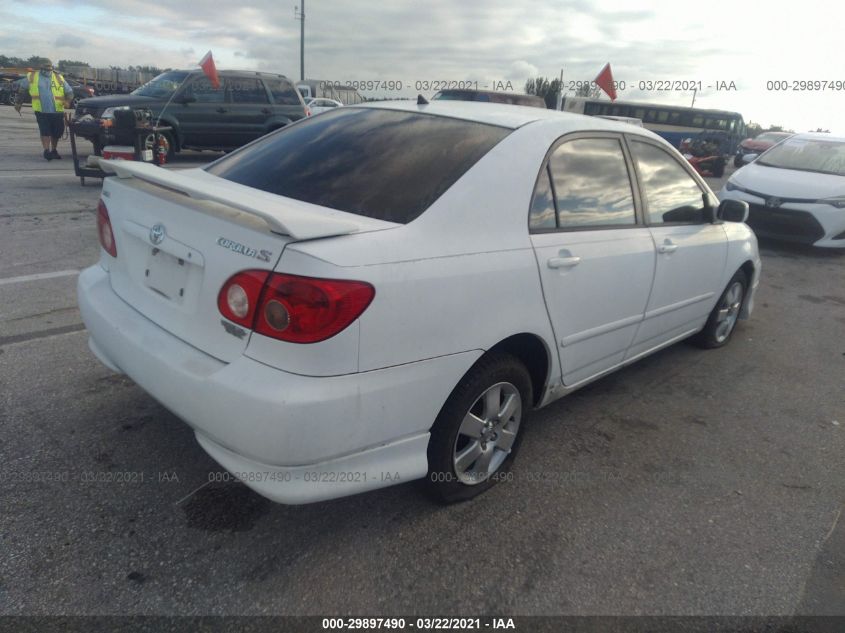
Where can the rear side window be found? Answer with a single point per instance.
(591, 184)
(283, 92)
(382, 164)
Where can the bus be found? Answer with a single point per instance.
(673, 123)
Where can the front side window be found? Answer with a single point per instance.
(385, 164)
(202, 90)
(672, 195)
(591, 184)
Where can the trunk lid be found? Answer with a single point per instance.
(181, 235)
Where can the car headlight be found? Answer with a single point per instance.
(108, 113)
(836, 201)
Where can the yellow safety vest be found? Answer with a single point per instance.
(57, 86)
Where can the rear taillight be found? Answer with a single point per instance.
(104, 230)
(307, 111)
(292, 308)
(239, 296)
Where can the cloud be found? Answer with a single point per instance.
(70, 41)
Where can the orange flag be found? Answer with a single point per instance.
(605, 81)
(210, 70)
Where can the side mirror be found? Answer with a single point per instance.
(750, 158)
(733, 211)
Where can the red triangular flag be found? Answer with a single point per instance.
(210, 70)
(605, 81)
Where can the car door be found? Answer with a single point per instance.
(200, 110)
(249, 110)
(595, 258)
(691, 249)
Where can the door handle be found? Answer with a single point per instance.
(563, 262)
(265, 111)
(667, 247)
(222, 110)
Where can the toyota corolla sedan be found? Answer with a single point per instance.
(796, 191)
(382, 293)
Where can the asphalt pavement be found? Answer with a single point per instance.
(695, 482)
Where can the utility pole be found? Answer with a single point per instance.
(299, 14)
(694, 90)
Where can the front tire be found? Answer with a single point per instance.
(722, 320)
(476, 435)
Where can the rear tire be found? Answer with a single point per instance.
(477, 434)
(722, 320)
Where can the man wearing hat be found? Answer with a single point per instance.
(49, 93)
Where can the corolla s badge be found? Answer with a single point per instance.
(243, 249)
(157, 233)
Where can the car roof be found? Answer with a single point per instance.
(507, 115)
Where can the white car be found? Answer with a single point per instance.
(331, 327)
(321, 104)
(795, 190)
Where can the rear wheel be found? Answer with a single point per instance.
(477, 434)
(722, 320)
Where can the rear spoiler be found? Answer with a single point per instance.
(300, 220)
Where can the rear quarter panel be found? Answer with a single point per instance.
(463, 276)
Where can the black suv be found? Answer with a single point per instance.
(245, 106)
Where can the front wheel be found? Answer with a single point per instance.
(722, 320)
(477, 434)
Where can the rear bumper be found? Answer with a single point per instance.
(292, 438)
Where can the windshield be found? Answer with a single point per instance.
(826, 157)
(163, 86)
(385, 164)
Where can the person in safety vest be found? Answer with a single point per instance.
(50, 93)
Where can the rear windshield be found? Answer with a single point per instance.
(382, 164)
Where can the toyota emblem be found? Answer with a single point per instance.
(773, 203)
(157, 233)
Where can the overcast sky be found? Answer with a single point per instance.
(716, 41)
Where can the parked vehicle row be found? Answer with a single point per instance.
(331, 327)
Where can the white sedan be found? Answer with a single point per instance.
(321, 104)
(796, 190)
(331, 327)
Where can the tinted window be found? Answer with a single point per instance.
(671, 193)
(542, 212)
(383, 164)
(284, 93)
(591, 183)
(202, 90)
(247, 90)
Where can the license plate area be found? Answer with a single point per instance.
(167, 275)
